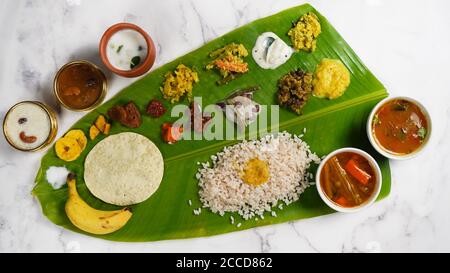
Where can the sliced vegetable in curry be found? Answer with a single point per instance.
(348, 179)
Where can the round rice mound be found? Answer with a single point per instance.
(222, 189)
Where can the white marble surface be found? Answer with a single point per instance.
(405, 43)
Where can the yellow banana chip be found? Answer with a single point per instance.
(68, 149)
(93, 132)
(79, 136)
(100, 123)
(107, 128)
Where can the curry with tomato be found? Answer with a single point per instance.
(348, 179)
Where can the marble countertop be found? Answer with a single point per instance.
(405, 44)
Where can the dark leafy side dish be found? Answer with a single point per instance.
(399, 126)
(347, 179)
(294, 90)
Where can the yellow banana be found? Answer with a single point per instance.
(89, 219)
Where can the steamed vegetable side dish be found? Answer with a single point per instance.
(331, 79)
(304, 33)
(179, 83)
(229, 60)
(348, 179)
(294, 90)
(399, 126)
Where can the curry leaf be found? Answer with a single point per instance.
(422, 132)
(400, 106)
(376, 120)
(135, 61)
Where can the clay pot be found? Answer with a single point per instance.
(141, 68)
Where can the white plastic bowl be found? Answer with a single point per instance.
(386, 152)
(375, 193)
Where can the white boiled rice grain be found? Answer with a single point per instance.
(197, 211)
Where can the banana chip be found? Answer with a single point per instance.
(107, 128)
(68, 149)
(79, 136)
(100, 123)
(93, 132)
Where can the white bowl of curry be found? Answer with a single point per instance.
(348, 180)
(399, 127)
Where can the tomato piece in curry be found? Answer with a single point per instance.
(348, 179)
(399, 126)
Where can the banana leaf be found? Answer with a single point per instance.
(331, 124)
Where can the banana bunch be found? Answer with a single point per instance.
(89, 219)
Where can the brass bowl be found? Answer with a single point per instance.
(99, 99)
(53, 126)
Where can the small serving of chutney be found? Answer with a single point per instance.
(80, 85)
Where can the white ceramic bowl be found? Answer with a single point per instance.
(378, 180)
(378, 146)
